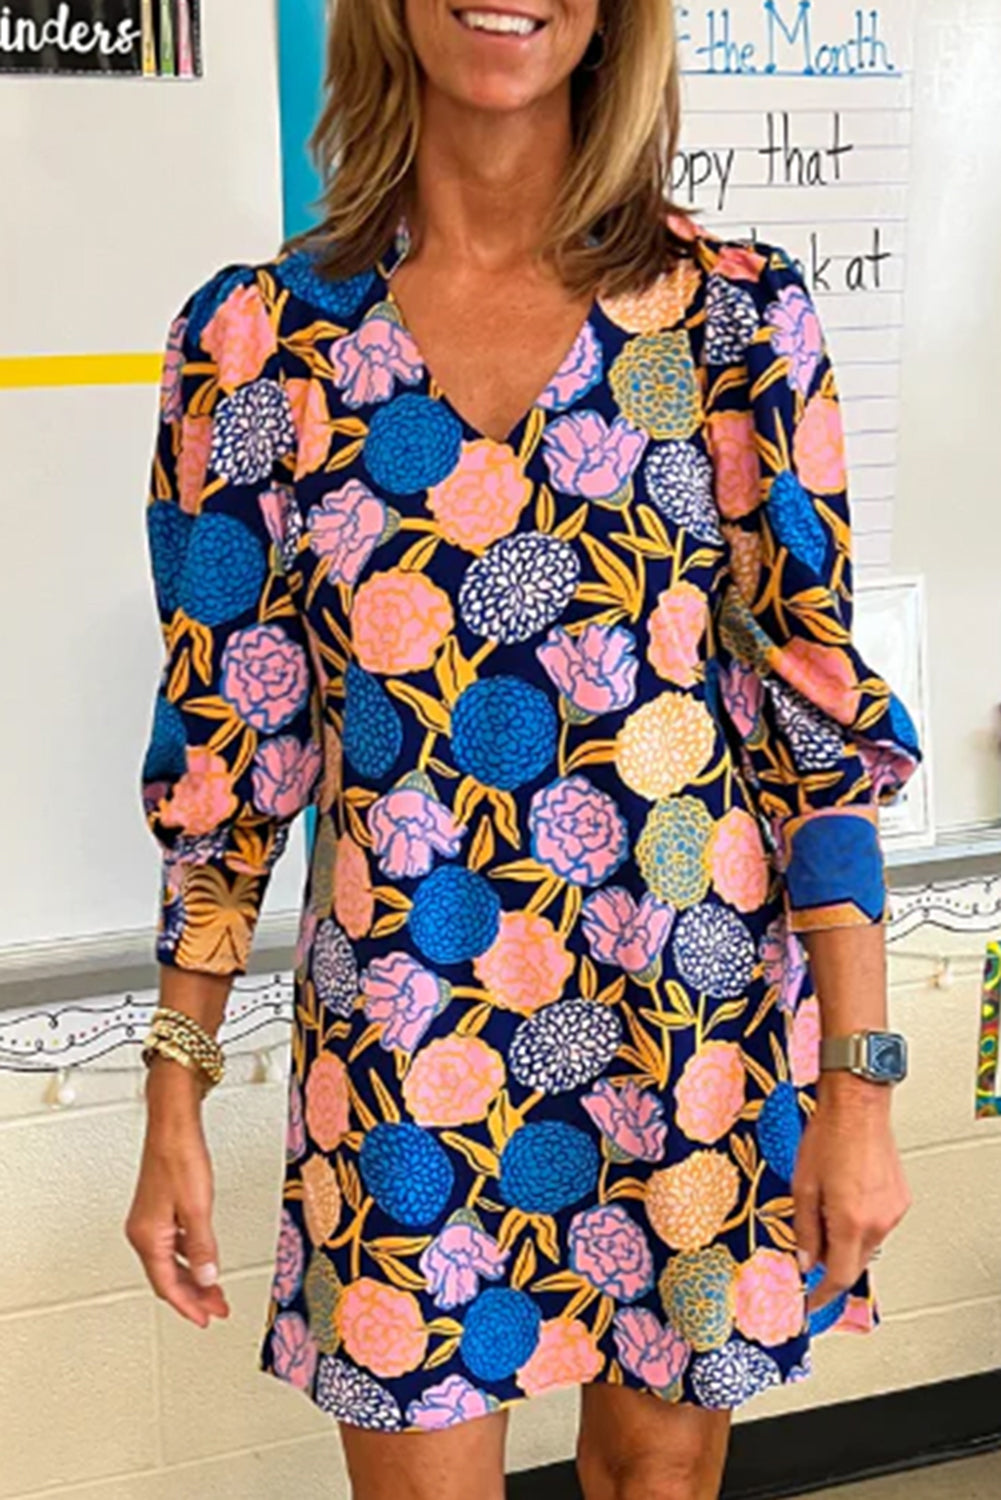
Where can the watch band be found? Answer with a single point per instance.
(840, 1052)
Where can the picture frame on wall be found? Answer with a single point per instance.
(101, 38)
(889, 630)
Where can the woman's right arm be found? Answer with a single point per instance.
(171, 1210)
(233, 750)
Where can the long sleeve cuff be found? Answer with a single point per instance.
(208, 914)
(834, 872)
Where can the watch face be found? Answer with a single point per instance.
(887, 1057)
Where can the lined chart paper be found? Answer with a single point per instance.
(797, 130)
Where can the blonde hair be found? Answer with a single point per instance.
(626, 115)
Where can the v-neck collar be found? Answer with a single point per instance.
(387, 268)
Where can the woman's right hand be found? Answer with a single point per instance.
(169, 1223)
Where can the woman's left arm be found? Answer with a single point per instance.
(849, 1188)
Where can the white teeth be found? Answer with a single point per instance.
(492, 20)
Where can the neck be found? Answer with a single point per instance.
(485, 180)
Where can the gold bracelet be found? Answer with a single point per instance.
(175, 1034)
(159, 1046)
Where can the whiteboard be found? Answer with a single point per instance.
(121, 197)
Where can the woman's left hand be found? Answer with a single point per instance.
(849, 1189)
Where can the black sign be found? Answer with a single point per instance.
(115, 38)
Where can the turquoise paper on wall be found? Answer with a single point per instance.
(302, 28)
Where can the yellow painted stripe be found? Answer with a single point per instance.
(20, 372)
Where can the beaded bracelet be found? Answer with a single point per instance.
(183, 1039)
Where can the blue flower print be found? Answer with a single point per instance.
(546, 1166)
(208, 300)
(731, 321)
(166, 755)
(822, 1318)
(335, 969)
(779, 1130)
(902, 725)
(815, 742)
(503, 732)
(338, 299)
(679, 481)
(726, 1377)
(251, 430)
(501, 1331)
(455, 915)
(168, 529)
(518, 587)
(565, 1045)
(373, 730)
(714, 950)
(794, 521)
(351, 1395)
(224, 570)
(413, 442)
(407, 1172)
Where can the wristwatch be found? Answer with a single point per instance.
(880, 1056)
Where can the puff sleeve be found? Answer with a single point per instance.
(233, 748)
(823, 738)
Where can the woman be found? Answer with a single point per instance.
(504, 519)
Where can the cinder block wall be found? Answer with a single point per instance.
(107, 1394)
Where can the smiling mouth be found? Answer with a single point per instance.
(499, 23)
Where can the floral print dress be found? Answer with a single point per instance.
(589, 745)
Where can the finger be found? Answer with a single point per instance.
(200, 1249)
(808, 1225)
(844, 1264)
(212, 1298)
(168, 1278)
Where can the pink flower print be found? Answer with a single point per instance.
(577, 831)
(796, 333)
(482, 498)
(382, 1327)
(402, 995)
(289, 1260)
(885, 765)
(770, 1305)
(456, 1259)
(311, 418)
(609, 1249)
(295, 1128)
(579, 371)
(354, 902)
(649, 1349)
(240, 337)
(344, 529)
(453, 1081)
(451, 1401)
(630, 1118)
(203, 797)
(585, 456)
(823, 674)
(740, 263)
(398, 621)
(327, 1101)
(804, 1042)
(408, 827)
(743, 696)
(284, 774)
(819, 448)
(676, 627)
(735, 459)
(293, 1351)
(265, 677)
(368, 362)
(621, 933)
(171, 397)
(566, 1354)
(740, 869)
(710, 1092)
(784, 961)
(193, 462)
(596, 673)
(527, 965)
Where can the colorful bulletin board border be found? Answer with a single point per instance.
(36, 371)
(988, 1091)
(102, 38)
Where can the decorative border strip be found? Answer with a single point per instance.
(42, 371)
(968, 904)
(988, 1096)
